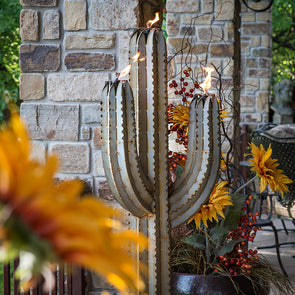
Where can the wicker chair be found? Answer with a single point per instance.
(283, 149)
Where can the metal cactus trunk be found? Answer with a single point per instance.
(135, 153)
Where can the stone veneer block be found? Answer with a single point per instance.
(259, 73)
(262, 102)
(110, 15)
(51, 122)
(261, 52)
(180, 6)
(188, 19)
(221, 50)
(39, 58)
(73, 157)
(38, 151)
(76, 87)
(188, 31)
(89, 40)
(81, 61)
(247, 100)
(91, 113)
(251, 84)
(173, 21)
(265, 62)
(213, 34)
(207, 6)
(225, 9)
(123, 39)
(103, 190)
(98, 164)
(32, 86)
(51, 25)
(97, 138)
(47, 3)
(75, 15)
(256, 29)
(29, 25)
(85, 133)
(255, 117)
(176, 44)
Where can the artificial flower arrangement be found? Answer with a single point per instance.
(215, 240)
(48, 223)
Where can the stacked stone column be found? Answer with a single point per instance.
(256, 65)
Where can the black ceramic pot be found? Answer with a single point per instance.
(188, 284)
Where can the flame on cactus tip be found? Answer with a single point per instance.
(151, 22)
(136, 56)
(124, 72)
(207, 83)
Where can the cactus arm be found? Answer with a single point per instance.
(106, 144)
(140, 184)
(199, 192)
(138, 84)
(200, 167)
(119, 180)
(194, 132)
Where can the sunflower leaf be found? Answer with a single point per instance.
(197, 240)
(178, 171)
(219, 234)
(233, 213)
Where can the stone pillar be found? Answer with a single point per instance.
(256, 65)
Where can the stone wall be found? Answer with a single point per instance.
(69, 48)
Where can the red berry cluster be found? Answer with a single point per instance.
(183, 90)
(176, 159)
(239, 260)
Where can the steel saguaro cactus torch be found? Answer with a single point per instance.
(135, 153)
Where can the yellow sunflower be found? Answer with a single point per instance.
(179, 116)
(266, 169)
(52, 223)
(219, 199)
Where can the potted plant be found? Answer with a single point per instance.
(211, 256)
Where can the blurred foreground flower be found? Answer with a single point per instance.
(266, 169)
(48, 223)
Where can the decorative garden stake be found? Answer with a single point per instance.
(135, 153)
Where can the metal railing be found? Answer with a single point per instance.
(69, 281)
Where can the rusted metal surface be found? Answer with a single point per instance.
(135, 153)
(6, 279)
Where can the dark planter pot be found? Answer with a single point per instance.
(188, 284)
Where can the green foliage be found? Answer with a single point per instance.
(9, 54)
(283, 60)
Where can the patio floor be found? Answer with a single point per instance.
(266, 237)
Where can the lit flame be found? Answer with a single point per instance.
(151, 22)
(136, 56)
(124, 72)
(207, 83)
